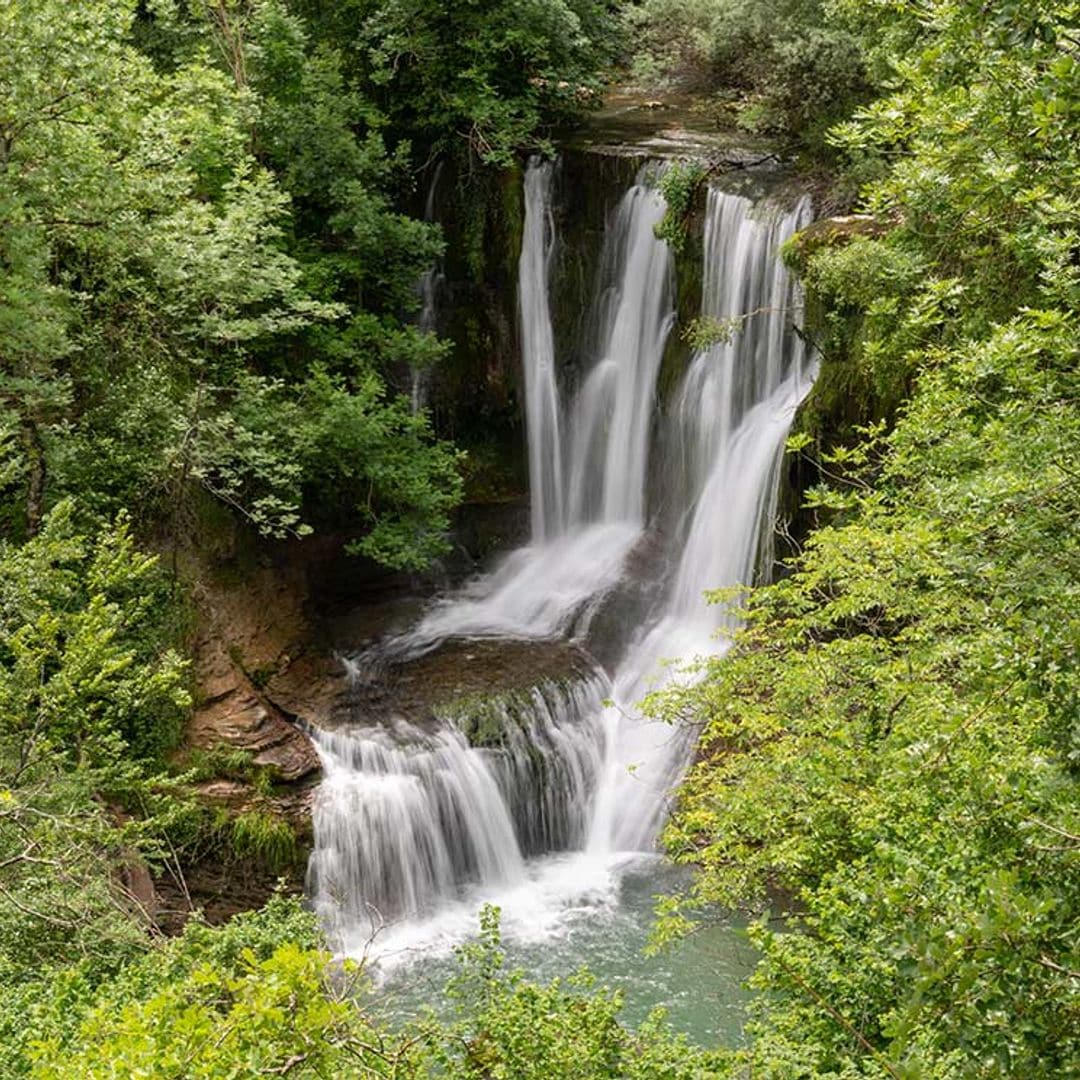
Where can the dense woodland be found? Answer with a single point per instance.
(208, 262)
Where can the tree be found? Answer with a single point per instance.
(892, 741)
(484, 77)
(155, 269)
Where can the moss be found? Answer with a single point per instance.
(689, 283)
(261, 675)
(224, 762)
(513, 217)
(858, 285)
(219, 762)
(483, 718)
(265, 839)
(489, 477)
(830, 233)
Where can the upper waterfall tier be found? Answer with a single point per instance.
(611, 414)
(589, 451)
(599, 475)
(543, 418)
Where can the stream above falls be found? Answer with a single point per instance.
(541, 788)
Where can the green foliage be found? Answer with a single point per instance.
(379, 461)
(167, 323)
(679, 184)
(259, 995)
(271, 451)
(781, 69)
(484, 77)
(230, 762)
(263, 839)
(214, 1025)
(211, 1003)
(83, 679)
(508, 1027)
(91, 698)
(892, 741)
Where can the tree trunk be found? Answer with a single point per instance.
(35, 485)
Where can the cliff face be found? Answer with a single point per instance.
(261, 675)
(244, 652)
(273, 618)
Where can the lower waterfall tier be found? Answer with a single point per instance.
(409, 815)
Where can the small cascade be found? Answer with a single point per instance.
(738, 399)
(407, 815)
(546, 746)
(401, 818)
(612, 414)
(429, 287)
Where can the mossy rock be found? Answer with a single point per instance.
(483, 718)
(831, 232)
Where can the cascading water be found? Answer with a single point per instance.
(424, 821)
(732, 415)
(429, 287)
(612, 413)
(588, 497)
(406, 814)
(543, 419)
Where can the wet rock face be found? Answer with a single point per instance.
(244, 720)
(239, 711)
(261, 677)
(426, 688)
(262, 668)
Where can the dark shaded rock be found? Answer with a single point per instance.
(137, 889)
(420, 688)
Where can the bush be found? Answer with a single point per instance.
(783, 68)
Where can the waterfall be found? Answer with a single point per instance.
(543, 421)
(613, 411)
(732, 415)
(588, 505)
(415, 818)
(406, 814)
(429, 287)
(604, 476)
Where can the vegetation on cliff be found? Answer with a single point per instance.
(207, 296)
(207, 283)
(205, 280)
(892, 744)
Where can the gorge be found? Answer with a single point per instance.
(488, 488)
(543, 798)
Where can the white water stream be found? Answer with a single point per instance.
(416, 827)
(429, 287)
(589, 458)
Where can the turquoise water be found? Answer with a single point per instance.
(698, 981)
